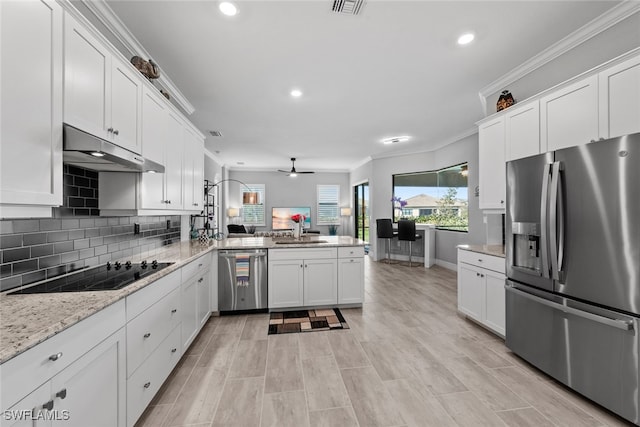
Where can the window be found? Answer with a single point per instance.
(433, 197)
(253, 202)
(328, 204)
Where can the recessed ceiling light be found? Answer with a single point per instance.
(395, 139)
(296, 93)
(227, 8)
(466, 38)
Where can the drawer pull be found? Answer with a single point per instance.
(479, 260)
(147, 385)
(48, 406)
(350, 260)
(199, 265)
(200, 280)
(147, 335)
(173, 350)
(55, 357)
(174, 311)
(62, 393)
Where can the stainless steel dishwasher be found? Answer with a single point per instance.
(247, 294)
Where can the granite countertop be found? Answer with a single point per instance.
(495, 250)
(28, 319)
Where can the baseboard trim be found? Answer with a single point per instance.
(447, 265)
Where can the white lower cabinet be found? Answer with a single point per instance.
(351, 275)
(90, 391)
(481, 294)
(195, 299)
(315, 277)
(146, 381)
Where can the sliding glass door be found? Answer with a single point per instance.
(361, 217)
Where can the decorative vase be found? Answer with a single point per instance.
(203, 238)
(297, 230)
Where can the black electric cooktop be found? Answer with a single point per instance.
(107, 277)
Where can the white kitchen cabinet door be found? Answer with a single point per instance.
(494, 316)
(87, 80)
(491, 164)
(203, 298)
(189, 312)
(286, 283)
(126, 107)
(92, 389)
(193, 173)
(569, 116)
(154, 133)
(320, 282)
(522, 130)
(173, 162)
(18, 414)
(350, 280)
(31, 107)
(471, 291)
(619, 88)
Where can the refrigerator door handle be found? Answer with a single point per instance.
(625, 325)
(556, 224)
(544, 221)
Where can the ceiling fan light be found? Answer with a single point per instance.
(293, 174)
(466, 38)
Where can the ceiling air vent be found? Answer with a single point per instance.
(348, 7)
(215, 133)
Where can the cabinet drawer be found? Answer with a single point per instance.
(196, 266)
(482, 260)
(149, 329)
(146, 382)
(27, 371)
(147, 296)
(351, 252)
(315, 253)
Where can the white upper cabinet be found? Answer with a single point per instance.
(620, 99)
(154, 133)
(491, 164)
(31, 108)
(522, 126)
(193, 173)
(569, 116)
(173, 161)
(102, 95)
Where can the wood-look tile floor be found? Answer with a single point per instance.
(408, 360)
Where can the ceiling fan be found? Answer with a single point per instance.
(293, 171)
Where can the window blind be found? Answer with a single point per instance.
(253, 203)
(328, 204)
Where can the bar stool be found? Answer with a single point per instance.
(384, 230)
(407, 232)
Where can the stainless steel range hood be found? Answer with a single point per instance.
(90, 152)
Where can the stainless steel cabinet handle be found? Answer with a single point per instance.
(147, 385)
(48, 406)
(110, 130)
(479, 260)
(147, 335)
(55, 357)
(62, 393)
(350, 260)
(625, 325)
(200, 280)
(199, 265)
(173, 350)
(169, 201)
(174, 310)
(116, 132)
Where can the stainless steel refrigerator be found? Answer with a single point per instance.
(573, 267)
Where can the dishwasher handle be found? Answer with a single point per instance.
(233, 255)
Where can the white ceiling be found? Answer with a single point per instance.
(395, 69)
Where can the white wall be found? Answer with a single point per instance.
(284, 191)
(378, 173)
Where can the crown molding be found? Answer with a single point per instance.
(361, 163)
(114, 24)
(587, 31)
